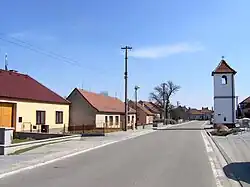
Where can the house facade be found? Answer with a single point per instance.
(27, 105)
(94, 110)
(203, 114)
(245, 107)
(143, 114)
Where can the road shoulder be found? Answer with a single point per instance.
(217, 163)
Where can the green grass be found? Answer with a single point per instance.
(16, 140)
(20, 151)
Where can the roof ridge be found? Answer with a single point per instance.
(98, 94)
(103, 103)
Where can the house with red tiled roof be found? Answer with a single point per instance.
(27, 105)
(203, 114)
(94, 110)
(245, 107)
(153, 108)
(144, 116)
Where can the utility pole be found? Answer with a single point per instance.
(126, 48)
(136, 114)
(164, 103)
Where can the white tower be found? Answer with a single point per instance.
(224, 94)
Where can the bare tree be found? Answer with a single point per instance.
(162, 94)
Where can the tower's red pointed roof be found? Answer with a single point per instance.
(223, 67)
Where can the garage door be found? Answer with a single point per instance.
(5, 115)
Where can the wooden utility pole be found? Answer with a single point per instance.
(136, 113)
(126, 48)
(164, 103)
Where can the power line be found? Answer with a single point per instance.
(39, 48)
(57, 57)
(31, 47)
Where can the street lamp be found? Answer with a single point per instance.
(136, 89)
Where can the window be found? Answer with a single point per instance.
(128, 119)
(116, 120)
(20, 119)
(106, 120)
(40, 117)
(225, 119)
(59, 117)
(110, 120)
(133, 118)
(223, 79)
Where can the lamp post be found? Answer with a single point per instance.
(136, 89)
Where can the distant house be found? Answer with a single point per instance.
(143, 114)
(27, 105)
(203, 114)
(153, 108)
(97, 111)
(245, 107)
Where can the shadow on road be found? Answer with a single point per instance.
(238, 171)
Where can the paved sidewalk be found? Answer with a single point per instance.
(55, 151)
(236, 151)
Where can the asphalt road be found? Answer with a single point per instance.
(165, 158)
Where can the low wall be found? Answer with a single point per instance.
(18, 146)
(36, 136)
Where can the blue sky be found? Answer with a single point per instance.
(176, 40)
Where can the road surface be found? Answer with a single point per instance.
(164, 158)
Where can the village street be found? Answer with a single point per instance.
(165, 158)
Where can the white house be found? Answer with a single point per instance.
(224, 94)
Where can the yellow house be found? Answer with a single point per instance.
(27, 105)
(94, 110)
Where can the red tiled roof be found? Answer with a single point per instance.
(141, 107)
(104, 103)
(15, 85)
(150, 106)
(195, 112)
(199, 112)
(223, 67)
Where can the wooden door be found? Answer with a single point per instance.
(5, 115)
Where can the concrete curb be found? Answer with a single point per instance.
(224, 155)
(71, 155)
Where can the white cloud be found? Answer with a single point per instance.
(33, 36)
(165, 50)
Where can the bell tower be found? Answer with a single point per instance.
(224, 94)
